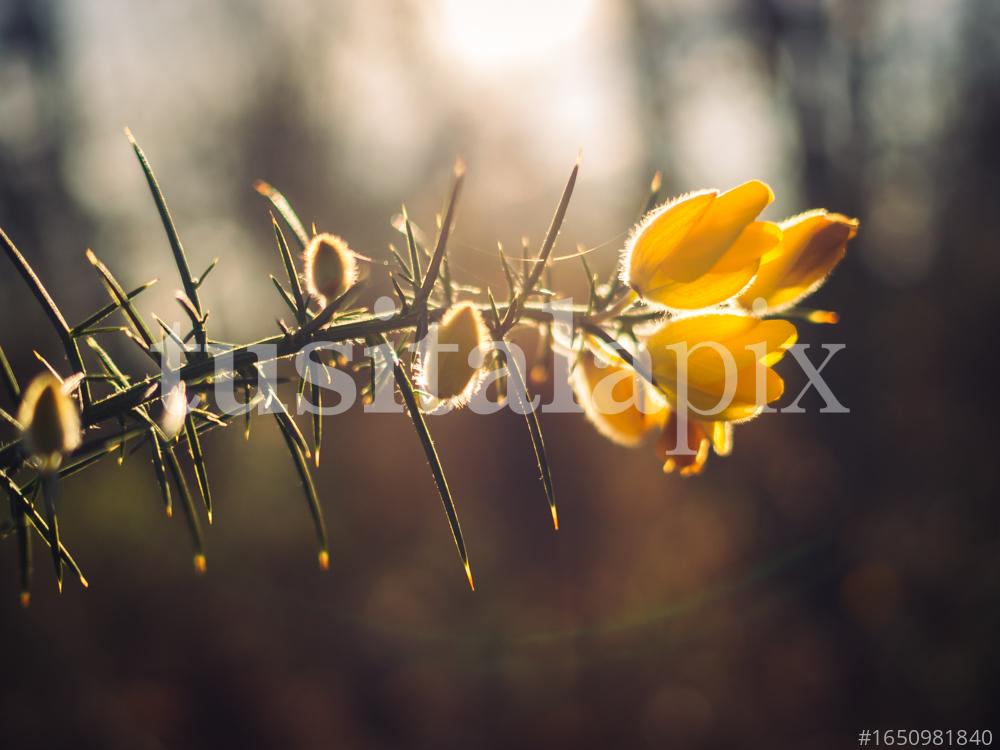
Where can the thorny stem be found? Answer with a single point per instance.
(148, 389)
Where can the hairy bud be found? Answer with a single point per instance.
(446, 374)
(50, 420)
(331, 268)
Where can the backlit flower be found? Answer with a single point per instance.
(50, 421)
(813, 243)
(719, 364)
(330, 266)
(622, 406)
(702, 248)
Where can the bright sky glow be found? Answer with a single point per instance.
(491, 36)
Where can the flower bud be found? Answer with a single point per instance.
(445, 372)
(702, 248)
(812, 244)
(331, 268)
(50, 421)
(823, 317)
(174, 410)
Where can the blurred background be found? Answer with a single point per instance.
(837, 572)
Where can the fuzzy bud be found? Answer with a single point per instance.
(174, 410)
(331, 268)
(445, 370)
(50, 421)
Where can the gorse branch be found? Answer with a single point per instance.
(688, 254)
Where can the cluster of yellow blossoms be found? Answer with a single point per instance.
(717, 272)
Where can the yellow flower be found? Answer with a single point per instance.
(622, 406)
(702, 248)
(813, 243)
(330, 267)
(717, 374)
(50, 421)
(700, 437)
(445, 373)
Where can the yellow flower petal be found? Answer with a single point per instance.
(710, 290)
(813, 244)
(716, 231)
(658, 235)
(724, 349)
(615, 399)
(727, 278)
(754, 243)
(746, 403)
(695, 328)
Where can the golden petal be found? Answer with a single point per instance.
(710, 290)
(619, 404)
(812, 245)
(658, 235)
(755, 242)
(720, 226)
(722, 349)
